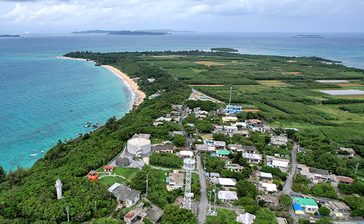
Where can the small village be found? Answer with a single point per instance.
(223, 159)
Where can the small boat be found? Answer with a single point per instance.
(87, 125)
(33, 155)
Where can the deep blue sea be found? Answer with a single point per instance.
(43, 98)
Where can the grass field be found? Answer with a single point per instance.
(124, 175)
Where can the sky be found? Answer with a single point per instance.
(63, 16)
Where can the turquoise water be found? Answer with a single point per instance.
(43, 99)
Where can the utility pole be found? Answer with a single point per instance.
(356, 168)
(231, 89)
(146, 186)
(68, 214)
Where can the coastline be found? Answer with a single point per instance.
(138, 95)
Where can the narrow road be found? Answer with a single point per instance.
(202, 208)
(287, 188)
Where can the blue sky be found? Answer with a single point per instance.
(60, 16)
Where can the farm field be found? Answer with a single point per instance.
(284, 90)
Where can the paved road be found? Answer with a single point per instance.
(287, 188)
(202, 208)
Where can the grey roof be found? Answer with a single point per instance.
(123, 192)
(248, 147)
(154, 213)
(318, 171)
(162, 147)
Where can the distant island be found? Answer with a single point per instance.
(122, 32)
(8, 35)
(224, 49)
(307, 36)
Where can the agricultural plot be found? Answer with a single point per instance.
(284, 91)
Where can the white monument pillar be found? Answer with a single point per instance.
(59, 189)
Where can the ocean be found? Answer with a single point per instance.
(44, 99)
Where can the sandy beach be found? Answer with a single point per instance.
(139, 95)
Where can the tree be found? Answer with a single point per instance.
(175, 214)
(285, 201)
(179, 140)
(246, 189)
(2, 174)
(265, 216)
(324, 211)
(223, 216)
(324, 190)
(304, 221)
(324, 220)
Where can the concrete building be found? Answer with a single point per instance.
(279, 140)
(245, 218)
(175, 181)
(265, 177)
(315, 175)
(346, 152)
(125, 196)
(282, 164)
(268, 188)
(226, 182)
(227, 196)
(229, 119)
(165, 147)
(338, 209)
(307, 205)
(233, 109)
(253, 158)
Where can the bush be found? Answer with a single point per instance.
(165, 160)
(324, 211)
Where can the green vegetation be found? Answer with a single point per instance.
(265, 216)
(175, 214)
(324, 211)
(165, 160)
(223, 216)
(323, 190)
(224, 49)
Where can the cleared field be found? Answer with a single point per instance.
(273, 83)
(332, 81)
(252, 110)
(291, 73)
(209, 63)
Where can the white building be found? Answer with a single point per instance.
(246, 218)
(226, 182)
(265, 177)
(279, 140)
(282, 164)
(252, 158)
(227, 196)
(269, 188)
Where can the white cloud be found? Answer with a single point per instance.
(141, 14)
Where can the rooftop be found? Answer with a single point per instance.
(265, 175)
(227, 181)
(318, 171)
(223, 152)
(305, 201)
(227, 195)
(123, 192)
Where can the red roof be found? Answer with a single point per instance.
(108, 167)
(344, 179)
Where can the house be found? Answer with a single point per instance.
(139, 135)
(233, 109)
(229, 119)
(252, 158)
(234, 167)
(227, 196)
(166, 147)
(344, 179)
(185, 154)
(307, 205)
(174, 133)
(219, 145)
(154, 213)
(338, 209)
(204, 148)
(281, 220)
(242, 148)
(230, 129)
(314, 175)
(265, 177)
(240, 124)
(279, 140)
(222, 153)
(225, 182)
(243, 133)
(134, 216)
(346, 152)
(174, 181)
(268, 187)
(214, 176)
(245, 218)
(108, 169)
(269, 201)
(125, 196)
(282, 164)
(257, 125)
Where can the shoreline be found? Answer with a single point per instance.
(138, 95)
